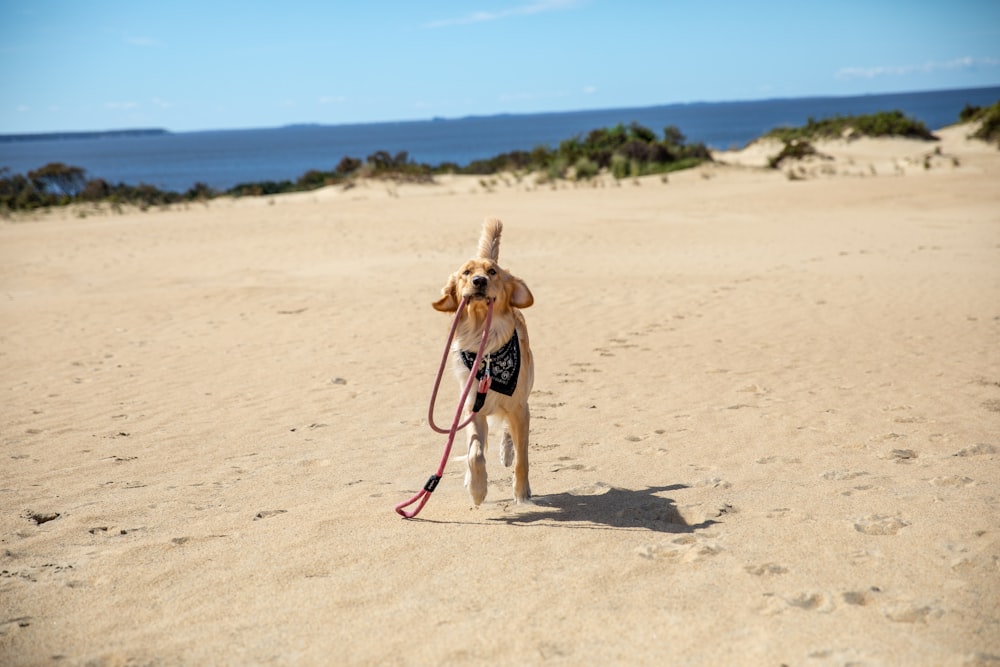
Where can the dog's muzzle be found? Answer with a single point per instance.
(479, 283)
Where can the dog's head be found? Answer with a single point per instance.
(481, 279)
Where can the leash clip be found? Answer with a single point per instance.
(484, 386)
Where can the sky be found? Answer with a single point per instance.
(70, 65)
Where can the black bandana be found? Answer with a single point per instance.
(504, 365)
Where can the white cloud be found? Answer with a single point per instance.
(23, 108)
(589, 90)
(121, 106)
(964, 63)
(539, 7)
(332, 99)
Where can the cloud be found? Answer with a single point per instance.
(332, 99)
(964, 63)
(121, 106)
(589, 90)
(539, 7)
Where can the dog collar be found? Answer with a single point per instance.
(503, 366)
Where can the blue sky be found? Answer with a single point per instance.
(182, 65)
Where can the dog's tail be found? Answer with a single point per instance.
(489, 242)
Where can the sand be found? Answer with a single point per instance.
(766, 424)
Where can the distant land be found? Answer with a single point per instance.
(104, 134)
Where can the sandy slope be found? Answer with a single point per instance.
(766, 427)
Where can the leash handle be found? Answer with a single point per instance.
(424, 494)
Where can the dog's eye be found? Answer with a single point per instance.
(492, 272)
(466, 272)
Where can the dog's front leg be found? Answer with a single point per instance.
(475, 475)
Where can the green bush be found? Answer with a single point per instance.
(989, 129)
(882, 124)
(585, 169)
(619, 166)
(796, 149)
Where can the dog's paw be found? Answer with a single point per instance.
(507, 450)
(522, 493)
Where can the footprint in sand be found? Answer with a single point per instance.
(684, 549)
(901, 455)
(774, 604)
(956, 481)
(41, 517)
(843, 475)
(812, 601)
(876, 524)
(911, 612)
(980, 449)
(765, 570)
(860, 598)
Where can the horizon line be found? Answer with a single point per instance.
(432, 119)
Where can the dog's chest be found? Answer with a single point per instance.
(504, 366)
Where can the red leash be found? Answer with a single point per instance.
(424, 494)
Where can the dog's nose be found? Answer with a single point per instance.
(479, 281)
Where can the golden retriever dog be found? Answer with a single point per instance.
(507, 356)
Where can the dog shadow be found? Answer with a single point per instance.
(615, 508)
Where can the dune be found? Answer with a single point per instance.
(765, 424)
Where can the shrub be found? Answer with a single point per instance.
(636, 150)
(199, 192)
(989, 129)
(619, 166)
(58, 178)
(96, 190)
(347, 166)
(796, 149)
(882, 124)
(585, 169)
(969, 113)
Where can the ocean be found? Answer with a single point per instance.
(224, 158)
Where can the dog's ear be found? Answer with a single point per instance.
(520, 295)
(448, 303)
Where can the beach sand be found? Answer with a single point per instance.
(766, 424)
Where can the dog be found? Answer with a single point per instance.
(507, 353)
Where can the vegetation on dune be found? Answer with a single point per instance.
(630, 151)
(57, 184)
(882, 124)
(796, 149)
(797, 140)
(989, 119)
